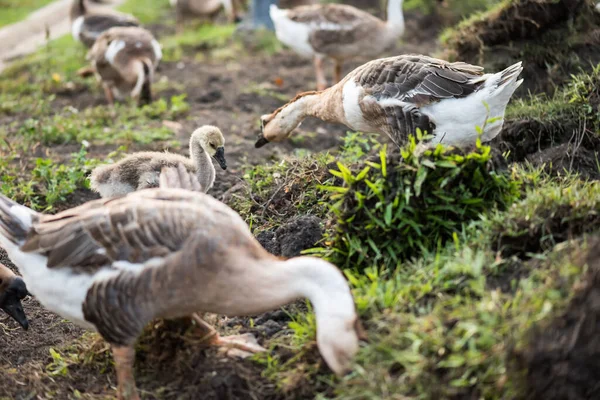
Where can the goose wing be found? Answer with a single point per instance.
(332, 24)
(127, 231)
(401, 85)
(94, 25)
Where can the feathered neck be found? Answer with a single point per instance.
(395, 17)
(205, 170)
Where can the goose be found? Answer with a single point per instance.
(113, 265)
(396, 95)
(87, 25)
(142, 170)
(124, 59)
(204, 8)
(337, 31)
(12, 291)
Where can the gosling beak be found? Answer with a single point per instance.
(11, 302)
(261, 141)
(220, 157)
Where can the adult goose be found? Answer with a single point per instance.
(204, 8)
(88, 24)
(396, 95)
(142, 170)
(12, 291)
(113, 265)
(124, 60)
(337, 31)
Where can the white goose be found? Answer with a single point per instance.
(338, 31)
(396, 95)
(114, 265)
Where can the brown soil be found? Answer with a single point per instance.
(170, 365)
(562, 360)
(554, 39)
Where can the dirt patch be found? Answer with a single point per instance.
(554, 39)
(292, 237)
(563, 359)
(559, 146)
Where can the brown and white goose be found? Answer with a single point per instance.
(88, 24)
(396, 95)
(12, 291)
(142, 170)
(337, 31)
(124, 60)
(113, 265)
(205, 8)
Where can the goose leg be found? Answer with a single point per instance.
(108, 93)
(124, 357)
(246, 343)
(320, 74)
(337, 72)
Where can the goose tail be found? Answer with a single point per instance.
(15, 221)
(179, 178)
(501, 86)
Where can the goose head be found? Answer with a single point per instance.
(280, 124)
(211, 139)
(12, 291)
(338, 341)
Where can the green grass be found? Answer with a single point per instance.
(16, 10)
(425, 198)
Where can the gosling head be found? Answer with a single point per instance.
(12, 291)
(212, 141)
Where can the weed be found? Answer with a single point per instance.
(409, 203)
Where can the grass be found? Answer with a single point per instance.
(16, 10)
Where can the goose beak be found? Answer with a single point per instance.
(10, 302)
(220, 157)
(261, 141)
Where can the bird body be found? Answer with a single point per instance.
(395, 96)
(113, 265)
(142, 170)
(87, 25)
(124, 60)
(337, 31)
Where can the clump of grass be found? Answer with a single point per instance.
(273, 193)
(401, 205)
(48, 183)
(551, 212)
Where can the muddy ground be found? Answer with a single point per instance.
(170, 365)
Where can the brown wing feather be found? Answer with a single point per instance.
(134, 228)
(339, 14)
(419, 80)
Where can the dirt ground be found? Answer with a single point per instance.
(170, 364)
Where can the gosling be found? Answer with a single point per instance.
(143, 170)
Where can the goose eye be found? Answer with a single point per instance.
(262, 124)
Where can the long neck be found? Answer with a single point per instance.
(77, 9)
(205, 170)
(325, 105)
(280, 282)
(395, 21)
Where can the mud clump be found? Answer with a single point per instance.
(554, 39)
(563, 358)
(292, 237)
